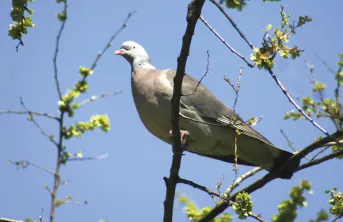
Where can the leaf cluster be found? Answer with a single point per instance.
(276, 42)
(194, 214)
(21, 17)
(336, 202)
(288, 208)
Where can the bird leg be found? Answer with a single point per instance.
(183, 138)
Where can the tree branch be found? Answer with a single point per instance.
(224, 42)
(194, 12)
(29, 113)
(203, 76)
(93, 98)
(36, 123)
(199, 187)
(57, 49)
(319, 160)
(240, 179)
(9, 220)
(25, 163)
(109, 44)
(256, 217)
(235, 88)
(219, 208)
(233, 24)
(291, 100)
(88, 158)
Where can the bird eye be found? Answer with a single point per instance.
(134, 47)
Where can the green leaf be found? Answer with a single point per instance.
(318, 87)
(84, 71)
(243, 205)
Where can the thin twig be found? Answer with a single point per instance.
(109, 43)
(291, 100)
(57, 49)
(41, 216)
(233, 24)
(193, 13)
(199, 82)
(200, 187)
(93, 98)
(290, 144)
(88, 158)
(320, 152)
(338, 217)
(29, 113)
(36, 123)
(225, 43)
(236, 88)
(26, 163)
(235, 165)
(256, 217)
(219, 184)
(319, 160)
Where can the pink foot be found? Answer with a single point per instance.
(183, 135)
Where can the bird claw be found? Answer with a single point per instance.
(183, 138)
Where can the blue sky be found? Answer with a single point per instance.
(128, 185)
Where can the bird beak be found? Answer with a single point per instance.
(119, 52)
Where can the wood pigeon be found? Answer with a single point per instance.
(208, 127)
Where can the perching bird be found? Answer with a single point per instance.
(210, 127)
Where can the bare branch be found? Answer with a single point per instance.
(200, 187)
(25, 163)
(338, 217)
(9, 220)
(235, 88)
(291, 100)
(41, 216)
(36, 123)
(256, 217)
(206, 72)
(193, 13)
(29, 113)
(233, 24)
(57, 49)
(319, 160)
(109, 44)
(224, 42)
(88, 158)
(290, 144)
(93, 98)
(320, 152)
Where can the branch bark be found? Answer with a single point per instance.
(193, 14)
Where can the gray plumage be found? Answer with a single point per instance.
(212, 125)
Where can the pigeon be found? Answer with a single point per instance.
(207, 126)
